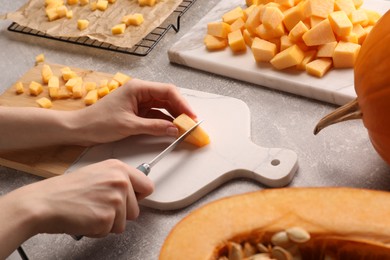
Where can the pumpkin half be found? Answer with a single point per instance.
(372, 86)
(344, 223)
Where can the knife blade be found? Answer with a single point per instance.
(146, 167)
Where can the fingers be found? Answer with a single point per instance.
(162, 95)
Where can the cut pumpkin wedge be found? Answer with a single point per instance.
(197, 137)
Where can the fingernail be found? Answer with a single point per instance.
(172, 131)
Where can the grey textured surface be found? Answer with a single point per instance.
(339, 156)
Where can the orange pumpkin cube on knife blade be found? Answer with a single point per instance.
(197, 137)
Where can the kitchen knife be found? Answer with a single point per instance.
(146, 167)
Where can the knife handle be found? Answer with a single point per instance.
(145, 168)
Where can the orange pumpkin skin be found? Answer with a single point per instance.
(372, 85)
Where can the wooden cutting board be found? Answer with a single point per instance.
(336, 87)
(188, 173)
(47, 161)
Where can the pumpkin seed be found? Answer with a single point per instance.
(262, 248)
(298, 235)
(261, 256)
(280, 253)
(281, 239)
(235, 251)
(249, 249)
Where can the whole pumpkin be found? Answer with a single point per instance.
(372, 86)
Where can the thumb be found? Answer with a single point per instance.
(157, 127)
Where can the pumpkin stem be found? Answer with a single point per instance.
(349, 111)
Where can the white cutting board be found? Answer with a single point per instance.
(188, 173)
(336, 87)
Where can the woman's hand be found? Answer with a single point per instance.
(93, 201)
(129, 111)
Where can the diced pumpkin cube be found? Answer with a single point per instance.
(320, 8)
(320, 34)
(357, 3)
(64, 93)
(93, 6)
(54, 92)
(319, 67)
(82, 24)
(73, 82)
(44, 102)
(54, 82)
(215, 43)
(72, 2)
(296, 33)
(118, 29)
(254, 19)
(263, 50)
(133, 19)
(67, 73)
(103, 83)
(91, 97)
(352, 37)
(236, 41)
(52, 14)
(84, 2)
(373, 16)
(103, 91)
(247, 11)
(46, 73)
(272, 17)
(102, 5)
(292, 16)
(360, 33)
(285, 42)
(268, 34)
(197, 137)
(19, 89)
(35, 88)
(113, 84)
(344, 5)
(78, 91)
(289, 57)
(146, 2)
(309, 56)
(39, 58)
(218, 29)
(248, 38)
(345, 54)
(89, 85)
(121, 78)
(62, 11)
(326, 50)
(238, 24)
(358, 17)
(340, 23)
(286, 3)
(233, 15)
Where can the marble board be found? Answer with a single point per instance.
(335, 87)
(188, 173)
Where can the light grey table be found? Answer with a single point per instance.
(339, 156)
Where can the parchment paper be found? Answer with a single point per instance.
(33, 15)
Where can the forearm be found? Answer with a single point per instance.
(23, 128)
(16, 224)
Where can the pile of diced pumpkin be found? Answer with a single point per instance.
(311, 35)
(71, 86)
(57, 9)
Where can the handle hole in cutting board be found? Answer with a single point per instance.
(275, 162)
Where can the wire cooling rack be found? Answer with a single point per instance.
(142, 48)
